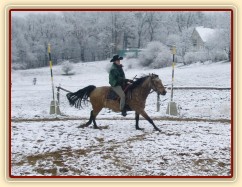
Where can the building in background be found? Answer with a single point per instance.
(200, 36)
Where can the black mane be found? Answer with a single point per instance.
(136, 83)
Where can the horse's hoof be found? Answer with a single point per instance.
(156, 129)
(82, 126)
(141, 129)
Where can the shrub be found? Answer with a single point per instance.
(156, 55)
(218, 56)
(67, 67)
(16, 66)
(130, 55)
(192, 57)
(162, 60)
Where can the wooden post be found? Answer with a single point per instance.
(51, 73)
(173, 70)
(58, 94)
(171, 108)
(158, 102)
(54, 105)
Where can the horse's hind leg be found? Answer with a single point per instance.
(90, 119)
(89, 122)
(94, 115)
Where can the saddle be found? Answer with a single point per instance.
(112, 94)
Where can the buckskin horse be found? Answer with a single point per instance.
(136, 96)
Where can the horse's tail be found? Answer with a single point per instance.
(76, 98)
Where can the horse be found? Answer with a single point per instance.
(136, 96)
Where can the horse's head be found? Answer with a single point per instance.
(157, 85)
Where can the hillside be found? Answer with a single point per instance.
(31, 101)
(43, 145)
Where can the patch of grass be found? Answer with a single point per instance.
(200, 162)
(33, 159)
(19, 163)
(104, 127)
(198, 153)
(63, 170)
(106, 157)
(221, 164)
(43, 171)
(172, 134)
(183, 154)
(101, 140)
(58, 162)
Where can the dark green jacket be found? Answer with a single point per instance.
(116, 75)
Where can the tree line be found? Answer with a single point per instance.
(97, 35)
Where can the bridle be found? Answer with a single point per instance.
(153, 87)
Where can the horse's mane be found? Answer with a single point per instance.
(138, 82)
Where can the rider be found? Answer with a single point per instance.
(117, 80)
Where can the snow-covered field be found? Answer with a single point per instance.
(182, 149)
(193, 148)
(29, 101)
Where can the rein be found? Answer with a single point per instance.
(150, 84)
(152, 91)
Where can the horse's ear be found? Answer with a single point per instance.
(154, 75)
(151, 76)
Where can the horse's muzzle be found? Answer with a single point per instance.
(163, 93)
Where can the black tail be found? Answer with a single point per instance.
(76, 98)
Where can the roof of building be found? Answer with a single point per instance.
(205, 33)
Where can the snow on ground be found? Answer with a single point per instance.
(181, 149)
(29, 101)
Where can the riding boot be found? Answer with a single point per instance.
(124, 113)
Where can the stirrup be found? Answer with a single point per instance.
(124, 113)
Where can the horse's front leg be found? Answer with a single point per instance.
(95, 124)
(137, 121)
(145, 115)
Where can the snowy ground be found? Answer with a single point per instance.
(29, 101)
(181, 149)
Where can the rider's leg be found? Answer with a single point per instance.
(121, 94)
